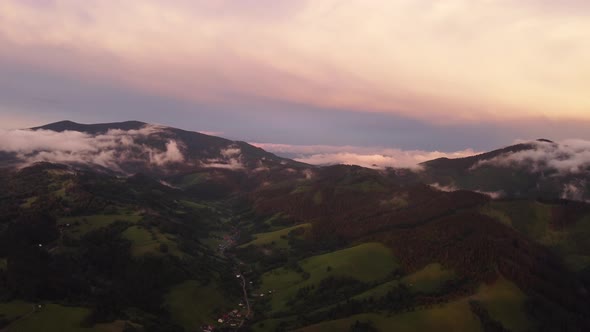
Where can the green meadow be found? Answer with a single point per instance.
(367, 262)
(505, 304)
(14, 309)
(450, 317)
(52, 317)
(144, 241)
(429, 279)
(503, 300)
(533, 219)
(277, 238)
(84, 224)
(192, 304)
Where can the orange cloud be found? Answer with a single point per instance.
(444, 61)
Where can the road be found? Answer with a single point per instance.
(229, 242)
(248, 312)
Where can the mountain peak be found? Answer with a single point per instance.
(91, 128)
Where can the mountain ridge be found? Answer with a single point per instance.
(485, 172)
(93, 128)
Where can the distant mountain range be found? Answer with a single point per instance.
(538, 169)
(137, 227)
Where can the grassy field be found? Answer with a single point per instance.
(429, 279)
(503, 300)
(192, 179)
(275, 222)
(192, 304)
(144, 242)
(576, 246)
(379, 291)
(82, 225)
(14, 309)
(426, 280)
(29, 202)
(302, 187)
(533, 219)
(494, 211)
(399, 201)
(275, 238)
(213, 240)
(530, 218)
(273, 218)
(366, 262)
(52, 318)
(194, 205)
(450, 317)
(505, 303)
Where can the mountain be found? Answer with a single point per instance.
(541, 169)
(136, 227)
(197, 150)
(178, 157)
(62, 126)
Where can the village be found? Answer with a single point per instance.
(237, 317)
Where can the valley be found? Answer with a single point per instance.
(234, 238)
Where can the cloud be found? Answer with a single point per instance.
(448, 188)
(565, 157)
(492, 194)
(451, 188)
(109, 149)
(229, 158)
(230, 152)
(438, 61)
(575, 190)
(211, 133)
(172, 154)
(362, 156)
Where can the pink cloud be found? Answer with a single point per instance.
(362, 156)
(571, 156)
(438, 61)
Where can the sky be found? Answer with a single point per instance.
(355, 76)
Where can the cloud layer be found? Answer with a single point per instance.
(362, 156)
(565, 157)
(109, 150)
(438, 61)
(229, 158)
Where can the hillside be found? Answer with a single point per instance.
(540, 169)
(137, 227)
